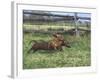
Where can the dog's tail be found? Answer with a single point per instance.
(32, 41)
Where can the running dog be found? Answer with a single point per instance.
(55, 44)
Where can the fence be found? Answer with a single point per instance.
(48, 21)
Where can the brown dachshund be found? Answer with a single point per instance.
(47, 46)
(55, 44)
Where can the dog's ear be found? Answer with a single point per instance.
(55, 35)
(58, 36)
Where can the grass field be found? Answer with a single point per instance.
(78, 55)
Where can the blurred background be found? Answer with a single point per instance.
(52, 21)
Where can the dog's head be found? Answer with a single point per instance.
(58, 36)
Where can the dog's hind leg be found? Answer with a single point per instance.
(29, 50)
(34, 51)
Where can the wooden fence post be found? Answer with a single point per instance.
(76, 25)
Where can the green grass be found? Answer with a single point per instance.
(44, 27)
(76, 56)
